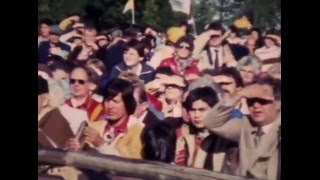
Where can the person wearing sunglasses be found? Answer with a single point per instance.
(174, 88)
(84, 82)
(182, 62)
(257, 134)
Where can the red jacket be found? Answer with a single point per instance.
(94, 108)
(172, 62)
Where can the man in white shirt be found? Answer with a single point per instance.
(208, 47)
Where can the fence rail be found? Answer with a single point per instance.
(127, 167)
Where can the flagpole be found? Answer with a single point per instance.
(132, 13)
(194, 27)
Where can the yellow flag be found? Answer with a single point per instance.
(243, 23)
(128, 6)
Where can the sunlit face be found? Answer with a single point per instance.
(80, 86)
(264, 111)
(183, 50)
(268, 42)
(247, 74)
(131, 57)
(44, 30)
(89, 36)
(115, 108)
(199, 110)
(214, 41)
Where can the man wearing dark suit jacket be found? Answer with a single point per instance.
(257, 134)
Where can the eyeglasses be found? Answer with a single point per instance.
(184, 47)
(80, 81)
(252, 101)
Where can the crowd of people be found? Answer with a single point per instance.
(211, 101)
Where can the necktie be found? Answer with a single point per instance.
(257, 136)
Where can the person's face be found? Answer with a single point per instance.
(146, 51)
(247, 74)
(44, 30)
(199, 110)
(173, 92)
(251, 44)
(115, 108)
(60, 74)
(254, 35)
(54, 39)
(263, 111)
(102, 42)
(80, 86)
(77, 42)
(131, 57)
(183, 50)
(42, 101)
(268, 42)
(214, 41)
(89, 36)
(228, 84)
(233, 35)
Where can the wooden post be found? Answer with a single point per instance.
(127, 167)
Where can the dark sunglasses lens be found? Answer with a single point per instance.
(81, 82)
(72, 81)
(252, 101)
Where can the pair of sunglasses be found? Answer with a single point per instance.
(252, 101)
(79, 81)
(184, 47)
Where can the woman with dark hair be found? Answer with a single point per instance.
(182, 62)
(234, 36)
(256, 34)
(133, 57)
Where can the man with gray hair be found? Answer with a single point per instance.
(249, 67)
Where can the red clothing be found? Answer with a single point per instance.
(173, 63)
(111, 132)
(155, 101)
(181, 157)
(94, 108)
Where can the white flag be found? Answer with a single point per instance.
(129, 6)
(181, 5)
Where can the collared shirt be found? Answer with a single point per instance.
(220, 55)
(111, 132)
(94, 108)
